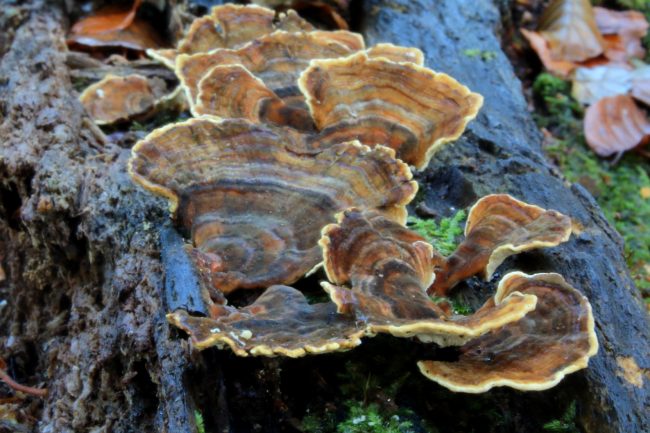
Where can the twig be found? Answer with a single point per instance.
(38, 392)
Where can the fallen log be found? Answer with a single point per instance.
(91, 268)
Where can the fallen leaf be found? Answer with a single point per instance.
(108, 18)
(641, 84)
(570, 29)
(622, 32)
(539, 44)
(138, 36)
(615, 124)
(592, 84)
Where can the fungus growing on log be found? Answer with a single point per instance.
(497, 227)
(411, 109)
(230, 26)
(279, 322)
(116, 98)
(388, 269)
(254, 198)
(276, 59)
(397, 53)
(231, 91)
(532, 354)
(292, 164)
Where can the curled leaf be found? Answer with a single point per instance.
(622, 32)
(570, 28)
(614, 125)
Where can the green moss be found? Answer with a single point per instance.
(198, 420)
(363, 418)
(483, 55)
(566, 424)
(318, 423)
(616, 187)
(445, 235)
(79, 83)
(560, 110)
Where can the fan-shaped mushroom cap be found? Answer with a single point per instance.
(397, 53)
(388, 269)
(231, 91)
(277, 59)
(279, 322)
(402, 105)
(535, 353)
(255, 198)
(116, 98)
(229, 26)
(499, 226)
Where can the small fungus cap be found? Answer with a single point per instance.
(117, 98)
(279, 322)
(533, 354)
(276, 59)
(497, 227)
(388, 269)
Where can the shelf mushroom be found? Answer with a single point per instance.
(497, 227)
(407, 107)
(254, 198)
(229, 26)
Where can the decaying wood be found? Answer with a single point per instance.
(85, 286)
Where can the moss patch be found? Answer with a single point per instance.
(620, 188)
(444, 235)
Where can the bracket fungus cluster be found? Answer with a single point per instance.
(298, 158)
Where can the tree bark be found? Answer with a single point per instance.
(87, 286)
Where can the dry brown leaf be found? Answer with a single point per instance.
(570, 28)
(622, 32)
(138, 36)
(106, 19)
(614, 125)
(559, 67)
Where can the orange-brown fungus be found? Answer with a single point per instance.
(230, 26)
(276, 59)
(535, 353)
(254, 198)
(388, 269)
(232, 91)
(279, 322)
(397, 53)
(117, 98)
(499, 226)
(409, 108)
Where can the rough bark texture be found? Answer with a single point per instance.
(86, 293)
